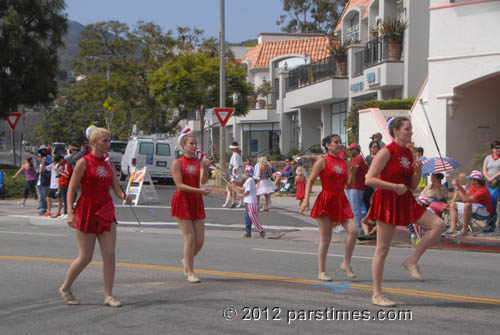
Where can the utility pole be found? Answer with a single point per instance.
(222, 92)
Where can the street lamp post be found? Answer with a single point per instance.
(222, 92)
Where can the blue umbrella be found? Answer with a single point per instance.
(435, 165)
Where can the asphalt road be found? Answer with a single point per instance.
(270, 284)
(217, 216)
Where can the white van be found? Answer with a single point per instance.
(116, 150)
(155, 153)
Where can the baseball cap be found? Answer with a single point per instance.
(354, 146)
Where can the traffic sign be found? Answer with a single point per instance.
(223, 114)
(13, 119)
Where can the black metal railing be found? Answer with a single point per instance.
(309, 74)
(376, 51)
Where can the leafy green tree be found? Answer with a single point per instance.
(310, 16)
(30, 33)
(190, 82)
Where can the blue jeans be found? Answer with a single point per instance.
(355, 198)
(42, 198)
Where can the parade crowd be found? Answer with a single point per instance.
(367, 197)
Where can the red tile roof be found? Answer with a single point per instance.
(261, 55)
(354, 3)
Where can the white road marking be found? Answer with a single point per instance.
(152, 224)
(169, 207)
(24, 233)
(306, 253)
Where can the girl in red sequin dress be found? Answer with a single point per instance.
(331, 207)
(187, 203)
(395, 172)
(94, 215)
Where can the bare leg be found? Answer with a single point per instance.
(86, 244)
(384, 238)
(267, 197)
(453, 216)
(352, 231)
(325, 237)
(435, 227)
(49, 204)
(189, 242)
(59, 206)
(199, 236)
(467, 216)
(107, 243)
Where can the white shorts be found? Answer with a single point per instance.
(476, 209)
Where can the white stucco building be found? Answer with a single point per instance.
(461, 94)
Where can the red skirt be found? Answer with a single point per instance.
(300, 193)
(188, 205)
(92, 217)
(397, 210)
(334, 205)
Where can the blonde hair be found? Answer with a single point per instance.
(184, 139)
(263, 161)
(300, 171)
(462, 178)
(96, 134)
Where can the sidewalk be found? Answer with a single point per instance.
(485, 242)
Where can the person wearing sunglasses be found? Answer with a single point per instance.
(491, 172)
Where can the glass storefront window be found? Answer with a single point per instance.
(339, 116)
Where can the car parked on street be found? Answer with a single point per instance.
(116, 150)
(155, 153)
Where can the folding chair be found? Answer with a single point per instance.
(490, 220)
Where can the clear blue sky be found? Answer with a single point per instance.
(244, 18)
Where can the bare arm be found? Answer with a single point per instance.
(460, 192)
(415, 177)
(117, 188)
(316, 170)
(176, 172)
(76, 177)
(352, 169)
(485, 171)
(378, 164)
(204, 170)
(21, 169)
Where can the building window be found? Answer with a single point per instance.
(339, 116)
(352, 31)
(294, 140)
(260, 138)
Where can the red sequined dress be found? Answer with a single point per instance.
(332, 201)
(189, 205)
(94, 210)
(387, 206)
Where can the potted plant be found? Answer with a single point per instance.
(265, 89)
(393, 31)
(261, 103)
(339, 52)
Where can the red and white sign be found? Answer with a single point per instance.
(223, 114)
(13, 119)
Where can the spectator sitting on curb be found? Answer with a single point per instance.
(477, 200)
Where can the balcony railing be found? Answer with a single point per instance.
(375, 52)
(352, 34)
(309, 74)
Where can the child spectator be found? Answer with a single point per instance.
(249, 194)
(64, 171)
(54, 186)
(300, 184)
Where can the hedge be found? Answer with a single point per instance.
(353, 117)
(12, 188)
